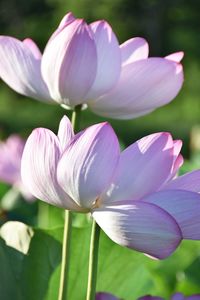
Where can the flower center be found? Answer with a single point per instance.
(97, 203)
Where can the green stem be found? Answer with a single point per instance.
(76, 117)
(75, 120)
(65, 256)
(93, 261)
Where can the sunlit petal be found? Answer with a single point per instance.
(141, 226)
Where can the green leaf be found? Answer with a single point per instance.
(122, 272)
(11, 263)
(38, 272)
(26, 275)
(40, 263)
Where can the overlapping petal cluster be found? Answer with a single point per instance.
(84, 64)
(10, 163)
(132, 195)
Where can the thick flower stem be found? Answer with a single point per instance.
(65, 256)
(67, 227)
(93, 261)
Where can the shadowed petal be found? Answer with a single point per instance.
(105, 296)
(134, 49)
(188, 182)
(184, 206)
(20, 67)
(178, 296)
(69, 63)
(87, 166)
(38, 169)
(148, 297)
(143, 168)
(108, 59)
(177, 148)
(144, 85)
(178, 158)
(141, 226)
(65, 132)
(177, 163)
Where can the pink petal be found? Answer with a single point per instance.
(65, 132)
(87, 166)
(134, 49)
(178, 159)
(108, 59)
(189, 182)
(105, 296)
(33, 48)
(143, 168)
(177, 57)
(10, 159)
(144, 85)
(66, 20)
(38, 169)
(177, 164)
(141, 226)
(69, 63)
(177, 148)
(20, 68)
(184, 207)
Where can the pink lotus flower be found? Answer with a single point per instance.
(133, 196)
(10, 164)
(84, 64)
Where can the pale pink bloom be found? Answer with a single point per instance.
(133, 195)
(84, 64)
(10, 163)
